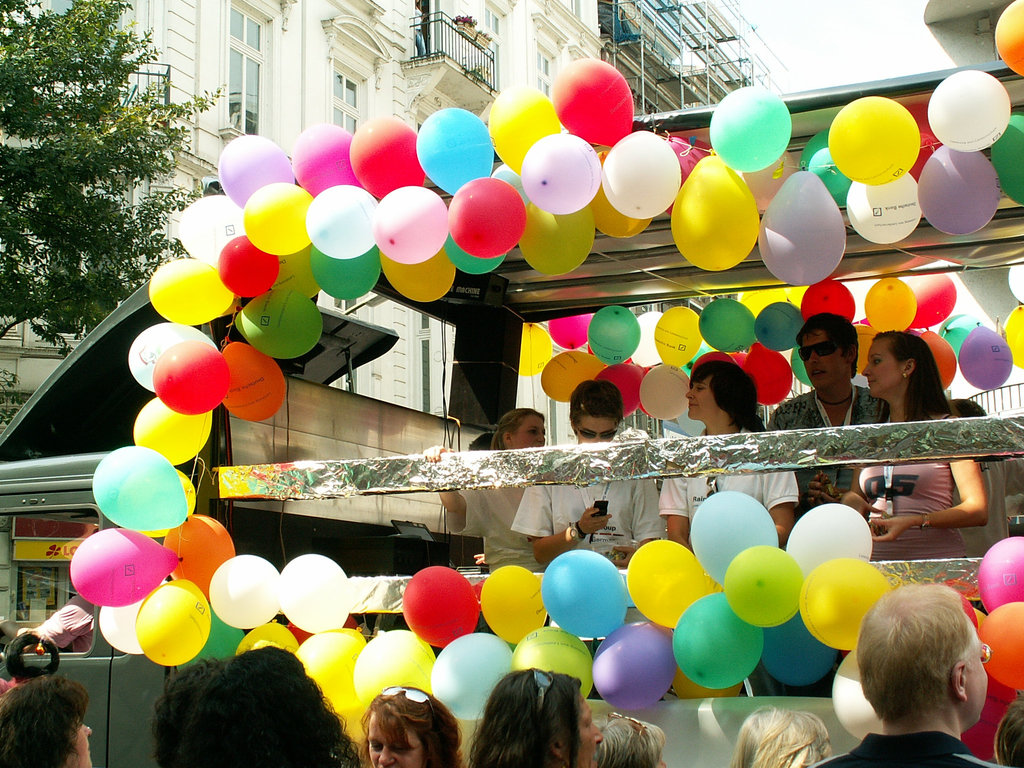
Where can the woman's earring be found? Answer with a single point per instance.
(904, 374)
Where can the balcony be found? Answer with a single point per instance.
(155, 77)
(453, 60)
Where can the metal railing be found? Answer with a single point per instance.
(154, 76)
(436, 35)
(1004, 401)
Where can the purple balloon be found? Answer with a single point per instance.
(802, 237)
(249, 163)
(958, 191)
(634, 666)
(985, 359)
(320, 158)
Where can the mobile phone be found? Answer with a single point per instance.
(602, 507)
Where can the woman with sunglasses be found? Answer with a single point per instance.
(630, 743)
(910, 507)
(724, 398)
(536, 719)
(409, 728)
(609, 517)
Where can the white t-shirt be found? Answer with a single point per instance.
(489, 513)
(682, 495)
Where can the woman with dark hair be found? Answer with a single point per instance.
(724, 398)
(42, 725)
(409, 728)
(172, 709)
(910, 507)
(536, 719)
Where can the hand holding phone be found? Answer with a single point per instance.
(602, 507)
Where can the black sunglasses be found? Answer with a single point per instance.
(821, 349)
(591, 434)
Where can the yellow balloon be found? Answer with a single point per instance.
(555, 245)
(519, 118)
(330, 659)
(1014, 338)
(685, 688)
(270, 633)
(664, 578)
(189, 291)
(874, 140)
(297, 274)
(535, 349)
(176, 436)
(173, 623)
(865, 335)
(836, 595)
(555, 650)
(397, 657)
(427, 281)
(512, 604)
(677, 336)
(609, 219)
(714, 219)
(275, 218)
(795, 294)
(890, 305)
(565, 371)
(755, 301)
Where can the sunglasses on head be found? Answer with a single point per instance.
(412, 694)
(636, 725)
(821, 349)
(591, 434)
(543, 681)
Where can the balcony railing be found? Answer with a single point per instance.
(1007, 400)
(155, 76)
(436, 36)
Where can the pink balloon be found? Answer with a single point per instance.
(570, 332)
(690, 152)
(249, 163)
(410, 225)
(320, 158)
(561, 174)
(118, 567)
(627, 379)
(1001, 573)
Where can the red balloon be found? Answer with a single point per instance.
(593, 101)
(440, 605)
(828, 296)
(689, 151)
(486, 217)
(740, 358)
(626, 377)
(928, 146)
(945, 357)
(936, 297)
(245, 269)
(981, 737)
(707, 357)
(570, 332)
(191, 377)
(771, 373)
(257, 386)
(383, 156)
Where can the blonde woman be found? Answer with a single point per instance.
(630, 743)
(777, 738)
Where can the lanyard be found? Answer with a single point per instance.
(824, 415)
(890, 509)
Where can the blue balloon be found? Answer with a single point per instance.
(138, 488)
(584, 593)
(777, 325)
(724, 525)
(713, 646)
(466, 671)
(792, 655)
(454, 147)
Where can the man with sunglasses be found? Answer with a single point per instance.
(827, 345)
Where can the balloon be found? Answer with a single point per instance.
(593, 101)
(969, 110)
(281, 323)
(1001, 632)
(555, 650)
(465, 262)
(245, 269)
(1001, 573)
(936, 297)
(454, 148)
(346, 279)
(956, 328)
(257, 387)
(189, 292)
(320, 158)
(677, 335)
(958, 191)
(1010, 36)
(713, 646)
(853, 711)
(945, 357)
(330, 659)
(634, 666)
(391, 658)
(506, 174)
(1012, 331)
(173, 623)
(762, 585)
(275, 218)
(685, 688)
(511, 603)
(874, 140)
(584, 593)
(138, 488)
(175, 436)
(383, 155)
(118, 567)
(1004, 155)
(613, 334)
(467, 670)
(985, 359)
(828, 296)
(777, 325)
(535, 349)
(271, 633)
(890, 305)
(570, 332)
(191, 378)
(714, 218)
(771, 373)
(410, 225)
(689, 151)
(555, 245)
(609, 219)
(339, 222)
(202, 545)
(208, 225)
(153, 342)
(118, 627)
(823, 166)
(424, 282)
(799, 370)
(244, 591)
(865, 335)
(792, 656)
(314, 593)
(486, 218)
(249, 163)
(727, 325)
(641, 175)
(836, 595)
(222, 642)
(519, 118)
(295, 272)
(646, 353)
(980, 738)
(765, 184)
(627, 379)
(750, 128)
(565, 371)
(664, 579)
(663, 392)
(561, 173)
(439, 605)
(828, 532)
(724, 525)
(886, 213)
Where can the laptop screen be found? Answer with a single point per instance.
(410, 528)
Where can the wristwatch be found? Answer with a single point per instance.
(574, 532)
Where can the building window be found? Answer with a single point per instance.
(543, 74)
(493, 25)
(244, 75)
(425, 374)
(346, 102)
(61, 6)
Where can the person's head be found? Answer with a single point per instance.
(519, 428)
(829, 346)
(779, 738)
(537, 719)
(963, 408)
(901, 369)
(409, 728)
(595, 410)
(919, 655)
(1010, 736)
(172, 709)
(717, 388)
(42, 724)
(262, 709)
(629, 743)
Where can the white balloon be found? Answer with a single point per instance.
(827, 532)
(1016, 278)
(884, 213)
(339, 221)
(243, 591)
(663, 393)
(647, 351)
(853, 711)
(641, 175)
(561, 173)
(153, 342)
(208, 225)
(315, 594)
(969, 110)
(117, 625)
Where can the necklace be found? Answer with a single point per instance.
(837, 402)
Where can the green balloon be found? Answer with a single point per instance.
(701, 351)
(727, 325)
(346, 278)
(956, 329)
(1006, 154)
(281, 323)
(713, 646)
(613, 334)
(799, 369)
(751, 128)
(467, 262)
(822, 166)
(222, 642)
(816, 142)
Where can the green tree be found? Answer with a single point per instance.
(81, 224)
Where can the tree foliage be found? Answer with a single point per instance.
(85, 164)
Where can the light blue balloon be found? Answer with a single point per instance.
(506, 174)
(792, 655)
(751, 128)
(725, 524)
(138, 488)
(339, 221)
(584, 594)
(777, 325)
(713, 646)
(454, 147)
(467, 669)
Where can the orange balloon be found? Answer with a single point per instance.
(1001, 632)
(1010, 36)
(257, 387)
(202, 545)
(685, 688)
(865, 335)
(565, 371)
(944, 356)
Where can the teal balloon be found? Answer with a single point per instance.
(701, 351)
(281, 323)
(138, 488)
(222, 643)
(727, 325)
(777, 325)
(613, 334)
(957, 328)
(453, 147)
(467, 262)
(713, 646)
(799, 369)
(822, 166)
(1006, 154)
(816, 142)
(751, 128)
(346, 278)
